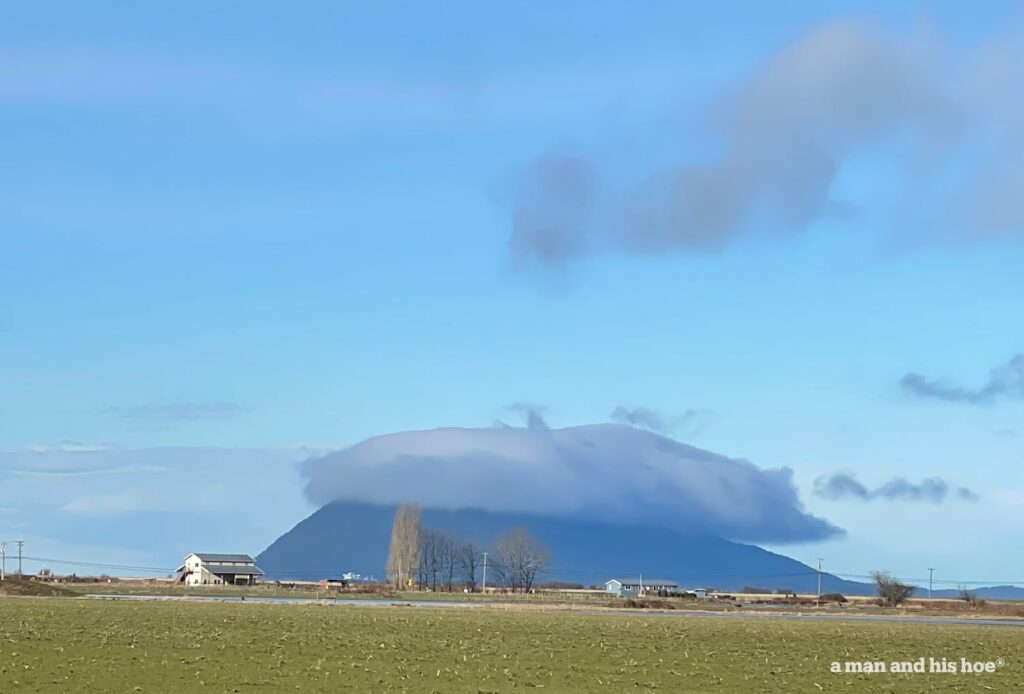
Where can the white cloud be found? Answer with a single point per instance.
(68, 447)
(116, 470)
(120, 502)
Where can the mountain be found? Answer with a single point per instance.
(347, 536)
(986, 592)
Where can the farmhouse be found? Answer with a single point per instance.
(636, 586)
(202, 569)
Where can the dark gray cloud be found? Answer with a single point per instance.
(533, 414)
(965, 494)
(552, 210)
(646, 418)
(785, 132)
(180, 411)
(606, 471)
(779, 138)
(844, 486)
(932, 489)
(1003, 381)
(839, 486)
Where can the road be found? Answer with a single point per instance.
(625, 612)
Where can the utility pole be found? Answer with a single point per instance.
(20, 543)
(819, 578)
(3, 561)
(484, 588)
(930, 572)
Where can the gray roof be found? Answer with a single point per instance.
(644, 581)
(228, 569)
(218, 558)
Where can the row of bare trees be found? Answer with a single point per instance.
(519, 559)
(446, 561)
(430, 559)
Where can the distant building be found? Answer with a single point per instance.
(201, 569)
(635, 586)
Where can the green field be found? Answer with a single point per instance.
(77, 645)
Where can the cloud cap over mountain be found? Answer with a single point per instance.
(608, 472)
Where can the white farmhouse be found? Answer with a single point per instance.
(638, 586)
(202, 569)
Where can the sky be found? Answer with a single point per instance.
(234, 237)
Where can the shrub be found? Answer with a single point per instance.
(891, 591)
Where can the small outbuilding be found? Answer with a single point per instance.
(204, 569)
(637, 586)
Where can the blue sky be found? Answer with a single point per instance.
(260, 228)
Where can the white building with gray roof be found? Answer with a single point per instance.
(205, 569)
(638, 586)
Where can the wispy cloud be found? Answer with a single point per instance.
(646, 418)
(965, 494)
(126, 501)
(552, 211)
(532, 414)
(1003, 381)
(844, 486)
(80, 472)
(179, 411)
(69, 447)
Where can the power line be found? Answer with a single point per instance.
(96, 565)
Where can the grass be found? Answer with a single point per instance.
(993, 609)
(596, 598)
(86, 645)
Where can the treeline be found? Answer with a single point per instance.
(447, 561)
(429, 559)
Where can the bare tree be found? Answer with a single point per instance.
(890, 590)
(447, 555)
(967, 595)
(430, 558)
(468, 559)
(404, 552)
(520, 558)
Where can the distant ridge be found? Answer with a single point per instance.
(987, 592)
